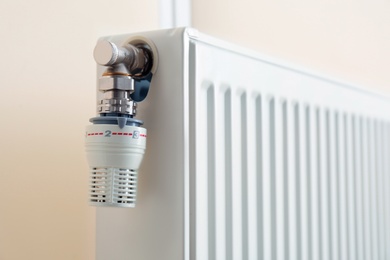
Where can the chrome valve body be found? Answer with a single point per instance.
(117, 82)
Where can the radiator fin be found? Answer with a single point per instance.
(259, 219)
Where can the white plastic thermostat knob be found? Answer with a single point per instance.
(114, 156)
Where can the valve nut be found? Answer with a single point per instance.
(117, 82)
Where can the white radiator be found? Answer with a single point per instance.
(250, 158)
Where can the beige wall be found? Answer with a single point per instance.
(47, 86)
(348, 40)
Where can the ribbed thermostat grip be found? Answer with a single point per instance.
(113, 187)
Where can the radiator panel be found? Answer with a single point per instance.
(250, 158)
(289, 165)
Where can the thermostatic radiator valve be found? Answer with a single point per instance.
(116, 142)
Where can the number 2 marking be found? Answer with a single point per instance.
(107, 133)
